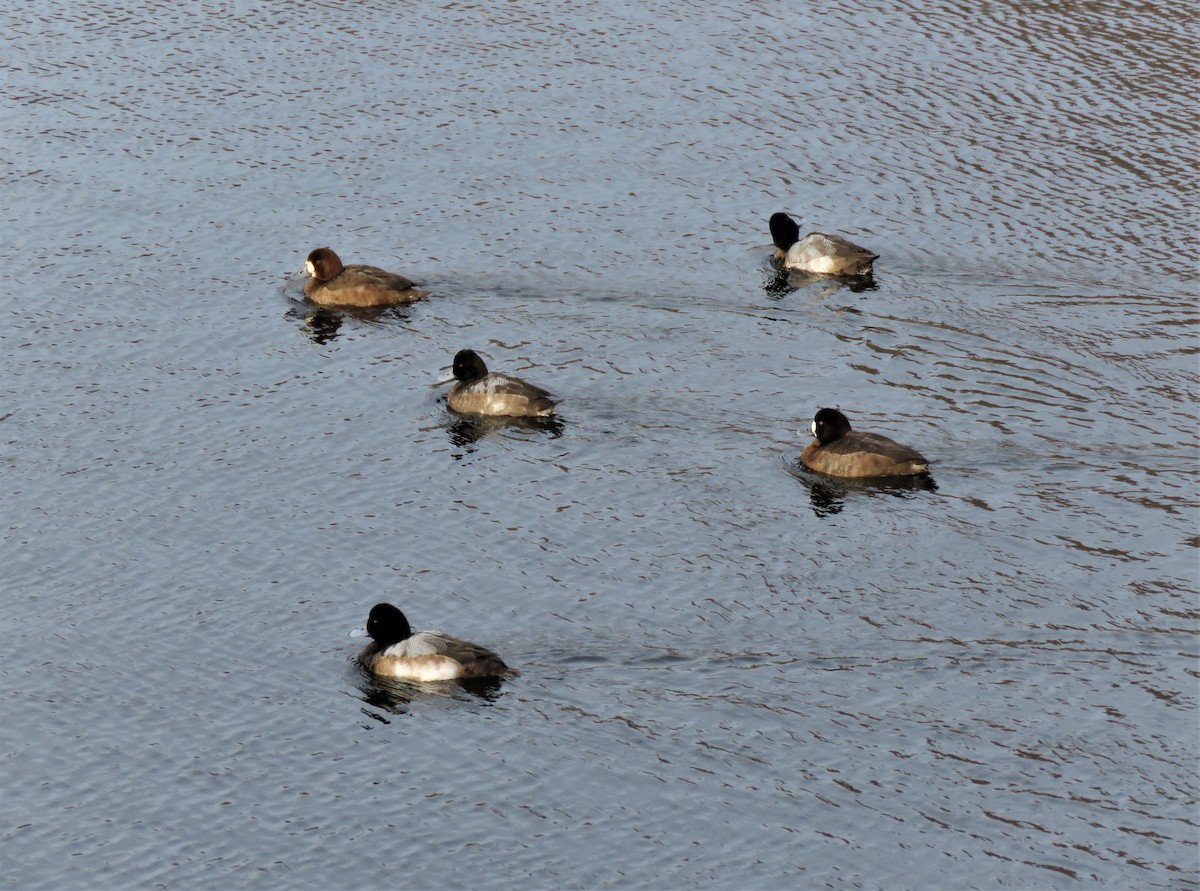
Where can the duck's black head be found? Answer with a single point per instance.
(829, 425)
(468, 366)
(785, 232)
(386, 625)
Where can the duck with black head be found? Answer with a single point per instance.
(396, 651)
(477, 391)
(817, 252)
(332, 284)
(841, 451)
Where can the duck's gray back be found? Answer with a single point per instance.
(420, 643)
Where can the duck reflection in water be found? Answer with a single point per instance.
(828, 495)
(464, 431)
(322, 324)
(386, 696)
(779, 283)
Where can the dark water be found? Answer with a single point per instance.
(734, 674)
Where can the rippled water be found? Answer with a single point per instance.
(733, 672)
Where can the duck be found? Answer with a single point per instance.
(477, 391)
(333, 284)
(840, 451)
(817, 252)
(396, 651)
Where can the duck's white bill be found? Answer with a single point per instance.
(359, 632)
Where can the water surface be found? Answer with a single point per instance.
(734, 673)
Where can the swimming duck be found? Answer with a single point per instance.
(333, 284)
(840, 451)
(816, 251)
(477, 391)
(396, 651)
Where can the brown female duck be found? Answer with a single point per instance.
(333, 284)
(840, 451)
